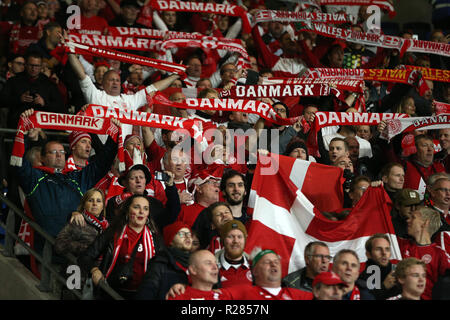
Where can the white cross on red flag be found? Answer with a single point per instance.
(285, 220)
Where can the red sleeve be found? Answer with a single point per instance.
(155, 151)
(311, 59)
(265, 57)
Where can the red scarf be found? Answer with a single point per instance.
(203, 7)
(441, 107)
(147, 119)
(147, 242)
(71, 166)
(77, 48)
(210, 43)
(60, 121)
(102, 41)
(355, 294)
(304, 16)
(397, 126)
(383, 4)
(100, 225)
(380, 40)
(325, 119)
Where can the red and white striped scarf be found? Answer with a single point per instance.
(441, 107)
(203, 7)
(147, 242)
(383, 4)
(71, 166)
(60, 121)
(303, 16)
(100, 225)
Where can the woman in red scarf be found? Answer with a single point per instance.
(125, 248)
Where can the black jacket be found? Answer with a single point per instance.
(382, 293)
(162, 273)
(20, 83)
(298, 280)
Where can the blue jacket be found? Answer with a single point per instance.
(53, 197)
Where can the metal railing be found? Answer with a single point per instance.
(48, 270)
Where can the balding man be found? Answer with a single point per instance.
(203, 272)
(110, 95)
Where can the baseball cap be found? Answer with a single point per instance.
(407, 197)
(328, 278)
(231, 225)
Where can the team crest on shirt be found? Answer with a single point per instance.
(285, 297)
(249, 275)
(426, 258)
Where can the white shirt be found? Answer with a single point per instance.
(122, 101)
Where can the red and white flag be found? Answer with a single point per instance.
(286, 221)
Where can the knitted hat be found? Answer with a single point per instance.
(328, 278)
(76, 136)
(129, 137)
(294, 145)
(231, 225)
(171, 230)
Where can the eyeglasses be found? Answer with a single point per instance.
(321, 256)
(57, 151)
(184, 234)
(279, 110)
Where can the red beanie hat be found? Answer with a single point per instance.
(171, 230)
(76, 136)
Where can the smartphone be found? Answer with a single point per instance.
(415, 37)
(161, 176)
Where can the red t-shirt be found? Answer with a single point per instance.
(436, 259)
(93, 25)
(195, 294)
(250, 292)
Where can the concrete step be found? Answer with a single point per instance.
(19, 283)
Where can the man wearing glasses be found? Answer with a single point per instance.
(317, 260)
(53, 193)
(30, 89)
(170, 266)
(439, 191)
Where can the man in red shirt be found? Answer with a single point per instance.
(422, 224)
(234, 267)
(91, 23)
(421, 165)
(206, 192)
(203, 272)
(27, 31)
(266, 269)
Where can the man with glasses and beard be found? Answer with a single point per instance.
(170, 266)
(317, 260)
